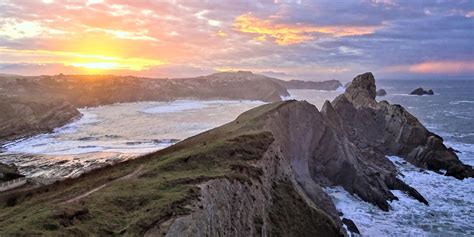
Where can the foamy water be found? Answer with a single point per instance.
(450, 210)
(112, 133)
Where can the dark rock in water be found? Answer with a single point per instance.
(421, 91)
(9, 172)
(381, 92)
(351, 226)
(386, 129)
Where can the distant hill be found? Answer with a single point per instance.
(329, 85)
(86, 90)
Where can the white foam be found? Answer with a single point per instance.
(341, 89)
(285, 98)
(118, 130)
(461, 102)
(449, 213)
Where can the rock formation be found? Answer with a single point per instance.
(381, 92)
(421, 91)
(8, 172)
(23, 117)
(382, 128)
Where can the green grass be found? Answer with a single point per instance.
(166, 185)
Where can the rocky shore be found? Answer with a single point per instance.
(23, 117)
(263, 174)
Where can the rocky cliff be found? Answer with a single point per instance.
(22, 117)
(263, 174)
(380, 127)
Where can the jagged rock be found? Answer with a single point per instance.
(381, 92)
(379, 127)
(351, 226)
(421, 91)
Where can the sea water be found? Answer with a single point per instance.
(113, 133)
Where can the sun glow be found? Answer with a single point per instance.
(83, 60)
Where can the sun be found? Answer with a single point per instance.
(103, 63)
(97, 65)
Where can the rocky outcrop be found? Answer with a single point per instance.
(310, 151)
(329, 85)
(421, 91)
(381, 92)
(8, 172)
(22, 117)
(382, 128)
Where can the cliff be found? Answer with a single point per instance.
(379, 127)
(263, 174)
(22, 117)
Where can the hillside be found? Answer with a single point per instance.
(22, 117)
(329, 85)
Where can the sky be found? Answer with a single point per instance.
(309, 40)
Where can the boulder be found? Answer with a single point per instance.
(381, 92)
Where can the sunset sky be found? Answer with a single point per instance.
(312, 40)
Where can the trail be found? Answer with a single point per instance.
(128, 176)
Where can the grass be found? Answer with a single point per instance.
(165, 188)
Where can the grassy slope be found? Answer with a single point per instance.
(130, 207)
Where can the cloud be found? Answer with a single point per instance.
(436, 67)
(285, 34)
(302, 39)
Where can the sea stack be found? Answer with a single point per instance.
(421, 91)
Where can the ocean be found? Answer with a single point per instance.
(112, 133)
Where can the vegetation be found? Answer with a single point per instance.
(165, 186)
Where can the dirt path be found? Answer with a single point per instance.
(128, 176)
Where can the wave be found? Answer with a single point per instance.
(449, 212)
(461, 102)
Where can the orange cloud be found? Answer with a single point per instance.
(436, 67)
(285, 34)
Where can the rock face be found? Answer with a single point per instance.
(329, 85)
(21, 117)
(381, 92)
(382, 128)
(421, 91)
